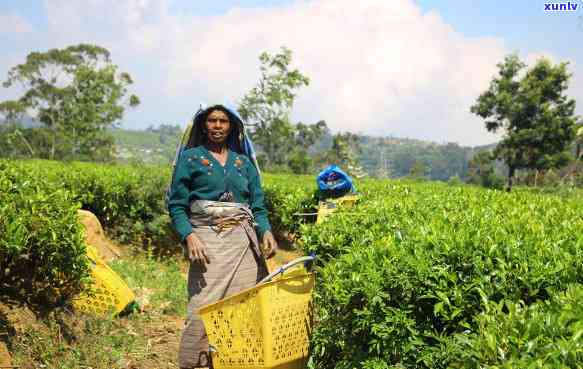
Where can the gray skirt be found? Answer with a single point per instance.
(236, 263)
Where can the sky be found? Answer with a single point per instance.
(398, 68)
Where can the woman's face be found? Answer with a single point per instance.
(218, 127)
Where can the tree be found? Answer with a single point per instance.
(300, 161)
(76, 93)
(268, 106)
(579, 142)
(419, 170)
(481, 171)
(537, 117)
(306, 135)
(344, 152)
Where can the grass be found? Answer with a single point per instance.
(158, 284)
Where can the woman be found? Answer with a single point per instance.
(215, 201)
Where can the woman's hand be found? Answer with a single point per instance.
(269, 245)
(196, 249)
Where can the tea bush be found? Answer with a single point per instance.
(42, 253)
(414, 265)
(129, 201)
(288, 196)
(547, 334)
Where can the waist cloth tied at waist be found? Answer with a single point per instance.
(223, 218)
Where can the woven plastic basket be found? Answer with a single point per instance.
(108, 294)
(267, 326)
(327, 207)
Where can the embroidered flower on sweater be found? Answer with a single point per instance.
(238, 163)
(205, 162)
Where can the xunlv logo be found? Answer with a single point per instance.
(561, 7)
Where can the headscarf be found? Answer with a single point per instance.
(238, 140)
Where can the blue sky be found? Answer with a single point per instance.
(522, 23)
(401, 67)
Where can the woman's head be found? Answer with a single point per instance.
(217, 126)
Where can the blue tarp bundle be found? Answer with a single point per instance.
(333, 181)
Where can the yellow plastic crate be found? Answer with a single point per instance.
(329, 206)
(108, 294)
(267, 326)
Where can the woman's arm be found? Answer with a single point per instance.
(257, 201)
(178, 201)
(257, 204)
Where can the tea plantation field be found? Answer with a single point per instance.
(417, 275)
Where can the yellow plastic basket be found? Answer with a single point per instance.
(108, 294)
(267, 326)
(329, 206)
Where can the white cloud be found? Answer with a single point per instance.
(13, 23)
(376, 66)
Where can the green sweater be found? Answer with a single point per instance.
(199, 176)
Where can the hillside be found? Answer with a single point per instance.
(147, 146)
(380, 156)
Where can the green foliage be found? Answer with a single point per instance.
(547, 334)
(42, 253)
(300, 162)
(481, 171)
(534, 112)
(154, 146)
(128, 201)
(406, 274)
(76, 94)
(579, 142)
(417, 275)
(344, 151)
(287, 196)
(418, 170)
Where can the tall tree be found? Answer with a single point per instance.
(268, 106)
(76, 93)
(306, 135)
(537, 117)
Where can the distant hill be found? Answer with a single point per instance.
(148, 146)
(380, 157)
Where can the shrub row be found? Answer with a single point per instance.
(411, 272)
(417, 275)
(42, 253)
(129, 201)
(288, 198)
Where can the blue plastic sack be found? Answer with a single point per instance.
(333, 181)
